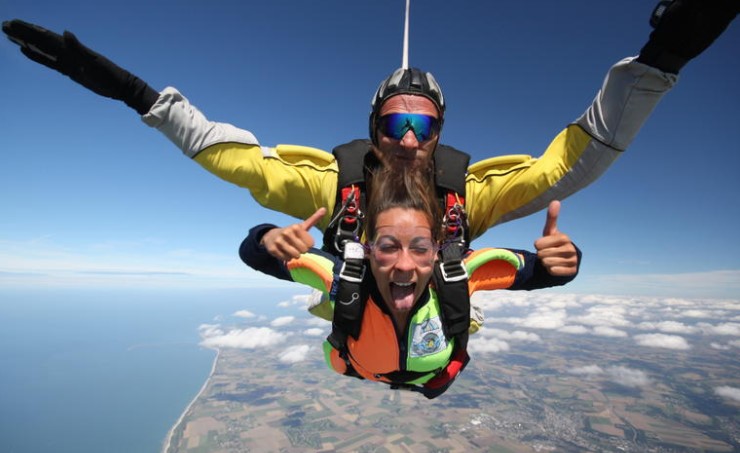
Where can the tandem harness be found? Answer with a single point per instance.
(450, 277)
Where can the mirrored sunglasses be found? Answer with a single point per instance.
(396, 125)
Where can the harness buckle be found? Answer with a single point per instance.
(451, 266)
(353, 268)
(453, 271)
(455, 218)
(348, 219)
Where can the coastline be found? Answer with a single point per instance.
(168, 441)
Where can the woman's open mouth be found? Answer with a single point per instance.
(403, 294)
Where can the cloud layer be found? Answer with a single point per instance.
(518, 321)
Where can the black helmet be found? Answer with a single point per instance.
(407, 81)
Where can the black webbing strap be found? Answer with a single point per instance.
(349, 298)
(451, 283)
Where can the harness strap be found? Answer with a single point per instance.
(350, 297)
(451, 282)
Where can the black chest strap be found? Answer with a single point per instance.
(451, 283)
(350, 296)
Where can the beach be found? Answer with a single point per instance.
(180, 421)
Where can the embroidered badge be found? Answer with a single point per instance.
(428, 338)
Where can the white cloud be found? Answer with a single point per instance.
(574, 329)
(251, 338)
(509, 320)
(478, 344)
(603, 315)
(606, 331)
(517, 335)
(244, 314)
(545, 319)
(559, 301)
(726, 391)
(282, 321)
(627, 376)
(294, 354)
(588, 370)
(318, 322)
(314, 332)
(301, 300)
(668, 327)
(210, 330)
(495, 300)
(659, 340)
(727, 328)
(720, 346)
(678, 302)
(696, 313)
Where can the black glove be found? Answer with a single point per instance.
(64, 53)
(684, 29)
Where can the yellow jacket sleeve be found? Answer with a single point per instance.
(294, 180)
(505, 188)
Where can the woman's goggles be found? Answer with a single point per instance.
(396, 125)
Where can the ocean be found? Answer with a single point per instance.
(104, 371)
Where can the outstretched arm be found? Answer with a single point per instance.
(505, 188)
(290, 179)
(66, 54)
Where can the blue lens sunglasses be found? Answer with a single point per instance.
(396, 125)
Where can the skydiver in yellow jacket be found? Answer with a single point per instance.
(297, 180)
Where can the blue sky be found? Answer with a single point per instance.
(91, 197)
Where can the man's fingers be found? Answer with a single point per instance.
(562, 261)
(37, 43)
(40, 57)
(286, 252)
(32, 36)
(282, 246)
(562, 271)
(551, 224)
(314, 219)
(295, 240)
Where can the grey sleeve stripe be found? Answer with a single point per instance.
(629, 94)
(186, 127)
(594, 161)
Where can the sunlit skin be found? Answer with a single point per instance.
(408, 150)
(404, 226)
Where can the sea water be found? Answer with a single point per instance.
(105, 371)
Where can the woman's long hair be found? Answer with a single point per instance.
(408, 188)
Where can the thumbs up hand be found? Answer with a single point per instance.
(555, 249)
(289, 242)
